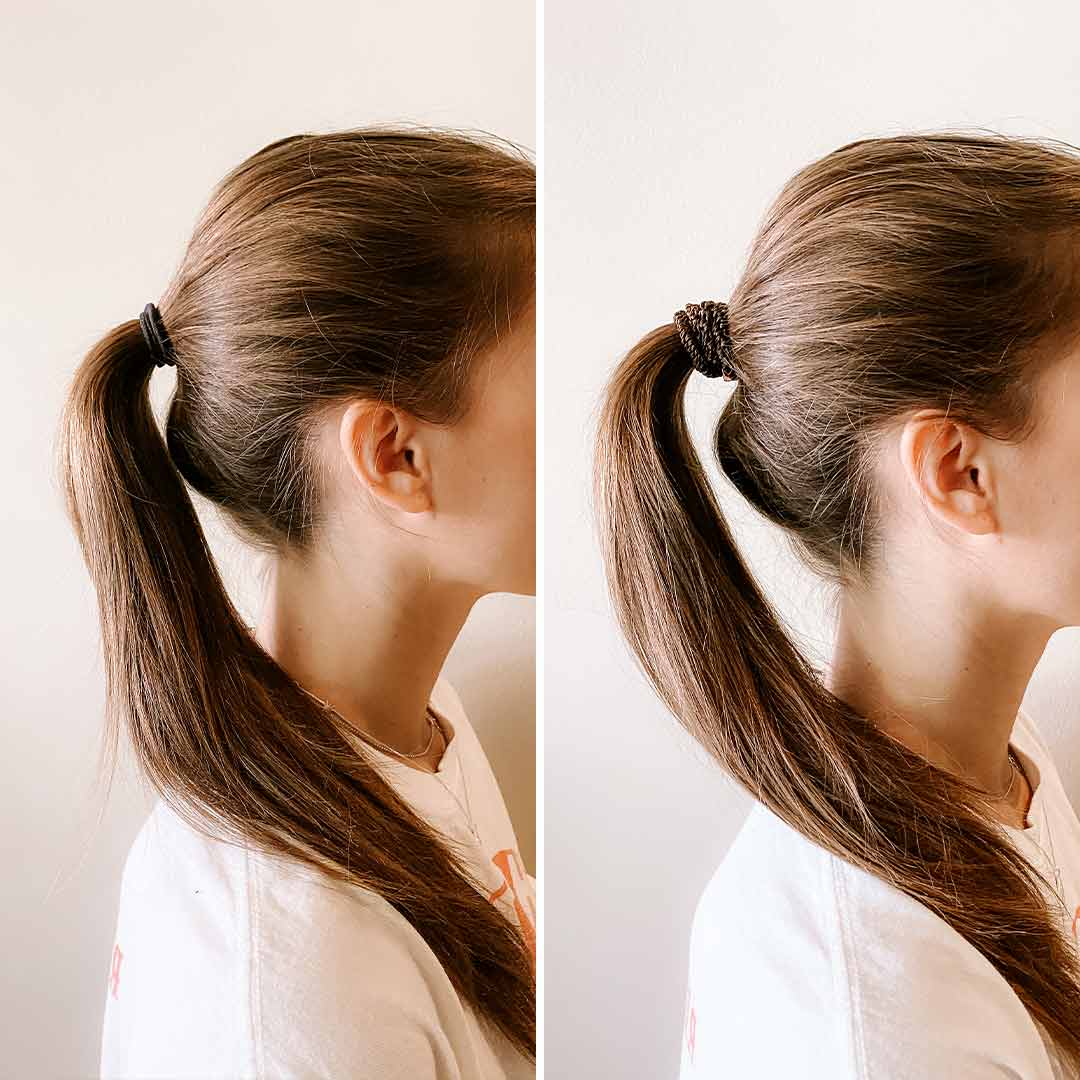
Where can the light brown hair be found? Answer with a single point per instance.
(371, 263)
(917, 271)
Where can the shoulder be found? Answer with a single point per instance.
(176, 999)
(764, 959)
(863, 980)
(175, 872)
(340, 977)
(241, 960)
(333, 939)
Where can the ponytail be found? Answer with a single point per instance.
(719, 658)
(224, 734)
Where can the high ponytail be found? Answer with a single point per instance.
(713, 647)
(223, 733)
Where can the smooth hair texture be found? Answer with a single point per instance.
(916, 271)
(369, 263)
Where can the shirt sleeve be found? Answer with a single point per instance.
(231, 964)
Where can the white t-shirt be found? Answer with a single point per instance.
(802, 965)
(231, 963)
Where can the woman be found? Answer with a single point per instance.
(902, 900)
(329, 884)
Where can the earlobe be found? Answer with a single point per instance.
(385, 452)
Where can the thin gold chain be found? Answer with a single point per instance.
(368, 737)
(1012, 780)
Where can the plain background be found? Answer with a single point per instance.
(669, 128)
(118, 120)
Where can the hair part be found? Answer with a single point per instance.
(918, 271)
(370, 263)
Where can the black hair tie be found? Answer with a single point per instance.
(703, 332)
(156, 337)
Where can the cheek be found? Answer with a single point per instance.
(509, 489)
(1043, 558)
(508, 520)
(490, 493)
(1061, 521)
(494, 453)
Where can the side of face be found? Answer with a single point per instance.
(1039, 484)
(457, 500)
(1006, 513)
(484, 477)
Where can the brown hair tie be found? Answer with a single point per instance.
(703, 332)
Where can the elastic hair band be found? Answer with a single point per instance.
(156, 336)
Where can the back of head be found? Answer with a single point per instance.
(370, 263)
(918, 271)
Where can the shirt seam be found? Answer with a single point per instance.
(254, 970)
(849, 971)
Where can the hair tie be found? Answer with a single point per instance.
(703, 332)
(156, 337)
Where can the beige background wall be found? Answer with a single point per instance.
(669, 127)
(118, 118)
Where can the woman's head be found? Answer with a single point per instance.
(352, 330)
(893, 277)
(378, 281)
(902, 332)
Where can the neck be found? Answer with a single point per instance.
(943, 671)
(370, 642)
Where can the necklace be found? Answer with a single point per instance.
(1015, 767)
(1042, 828)
(1052, 859)
(465, 809)
(385, 747)
(1049, 856)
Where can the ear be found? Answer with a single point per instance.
(385, 449)
(947, 463)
